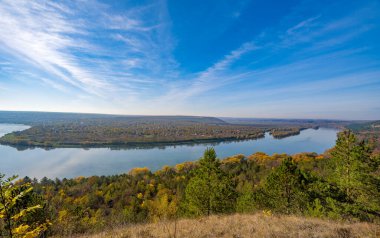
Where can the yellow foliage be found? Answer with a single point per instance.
(99, 193)
(23, 212)
(233, 160)
(138, 171)
(20, 229)
(11, 195)
(166, 168)
(303, 157)
(81, 200)
(179, 167)
(319, 157)
(62, 193)
(62, 215)
(267, 213)
(259, 156)
(184, 166)
(163, 207)
(79, 179)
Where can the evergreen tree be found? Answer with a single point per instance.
(353, 172)
(285, 188)
(210, 190)
(348, 159)
(245, 200)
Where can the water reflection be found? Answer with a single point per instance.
(72, 162)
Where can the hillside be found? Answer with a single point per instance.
(52, 118)
(245, 225)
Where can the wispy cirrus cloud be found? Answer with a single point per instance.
(57, 40)
(128, 57)
(213, 77)
(311, 34)
(39, 33)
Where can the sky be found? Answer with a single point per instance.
(262, 59)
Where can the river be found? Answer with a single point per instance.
(73, 162)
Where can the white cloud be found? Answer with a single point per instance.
(211, 78)
(56, 39)
(54, 84)
(39, 33)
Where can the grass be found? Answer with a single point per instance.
(245, 225)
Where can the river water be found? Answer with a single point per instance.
(73, 162)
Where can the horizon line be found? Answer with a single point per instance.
(183, 115)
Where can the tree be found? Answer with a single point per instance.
(164, 208)
(285, 188)
(210, 190)
(348, 157)
(353, 172)
(16, 219)
(245, 200)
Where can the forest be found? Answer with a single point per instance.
(369, 131)
(343, 184)
(52, 130)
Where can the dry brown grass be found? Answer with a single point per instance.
(241, 225)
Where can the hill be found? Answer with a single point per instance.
(50, 118)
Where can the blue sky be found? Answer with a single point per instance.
(271, 59)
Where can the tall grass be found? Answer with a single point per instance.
(246, 225)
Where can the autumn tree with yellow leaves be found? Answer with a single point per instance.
(16, 213)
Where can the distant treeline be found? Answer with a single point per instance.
(369, 131)
(341, 184)
(80, 134)
(53, 118)
(52, 130)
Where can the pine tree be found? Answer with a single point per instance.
(347, 156)
(211, 190)
(353, 169)
(245, 200)
(285, 188)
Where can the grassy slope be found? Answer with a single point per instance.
(240, 225)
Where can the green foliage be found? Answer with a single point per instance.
(348, 159)
(15, 212)
(211, 189)
(163, 207)
(245, 201)
(285, 188)
(316, 209)
(127, 132)
(354, 171)
(303, 184)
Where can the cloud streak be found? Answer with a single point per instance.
(56, 40)
(127, 57)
